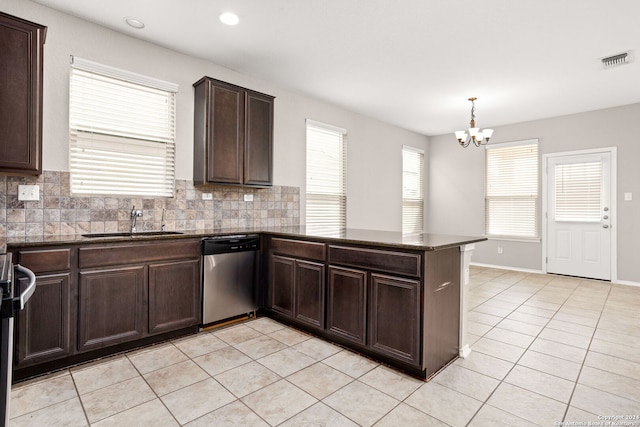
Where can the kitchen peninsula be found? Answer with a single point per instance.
(396, 298)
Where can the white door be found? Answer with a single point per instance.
(579, 215)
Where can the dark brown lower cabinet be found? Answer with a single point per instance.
(45, 330)
(94, 299)
(282, 283)
(45, 326)
(309, 295)
(347, 304)
(111, 309)
(396, 305)
(297, 289)
(174, 302)
(394, 317)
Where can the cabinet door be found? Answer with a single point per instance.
(225, 142)
(174, 295)
(309, 293)
(44, 327)
(282, 282)
(21, 93)
(346, 304)
(258, 152)
(395, 317)
(111, 307)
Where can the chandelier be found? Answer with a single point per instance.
(473, 134)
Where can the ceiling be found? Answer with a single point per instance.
(412, 63)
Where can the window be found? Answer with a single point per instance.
(511, 194)
(412, 190)
(578, 188)
(121, 128)
(326, 205)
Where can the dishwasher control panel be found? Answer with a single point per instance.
(226, 244)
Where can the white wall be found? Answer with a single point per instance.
(456, 182)
(374, 156)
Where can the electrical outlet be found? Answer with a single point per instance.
(248, 197)
(628, 197)
(499, 250)
(207, 196)
(28, 192)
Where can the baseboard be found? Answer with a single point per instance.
(464, 351)
(526, 270)
(626, 282)
(502, 267)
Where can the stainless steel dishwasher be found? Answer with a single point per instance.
(229, 266)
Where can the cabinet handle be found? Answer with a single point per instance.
(441, 287)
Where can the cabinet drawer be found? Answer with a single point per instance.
(299, 249)
(375, 259)
(45, 260)
(117, 254)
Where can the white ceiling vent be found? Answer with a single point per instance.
(616, 60)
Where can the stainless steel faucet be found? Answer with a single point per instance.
(134, 215)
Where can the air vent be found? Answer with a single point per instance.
(616, 60)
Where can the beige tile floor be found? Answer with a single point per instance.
(545, 349)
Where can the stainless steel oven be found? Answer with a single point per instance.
(13, 300)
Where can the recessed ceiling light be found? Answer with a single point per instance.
(134, 23)
(229, 18)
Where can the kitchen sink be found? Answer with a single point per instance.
(130, 234)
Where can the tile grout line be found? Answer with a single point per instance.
(516, 362)
(75, 386)
(239, 399)
(528, 347)
(578, 291)
(149, 385)
(586, 354)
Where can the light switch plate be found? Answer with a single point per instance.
(628, 196)
(28, 192)
(248, 197)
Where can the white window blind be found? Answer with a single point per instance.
(577, 190)
(511, 193)
(326, 194)
(122, 131)
(412, 190)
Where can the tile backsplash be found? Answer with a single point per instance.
(59, 213)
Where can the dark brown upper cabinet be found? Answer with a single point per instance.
(21, 58)
(233, 135)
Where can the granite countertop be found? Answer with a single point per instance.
(391, 239)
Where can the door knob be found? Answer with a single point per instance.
(605, 225)
(605, 217)
(606, 209)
